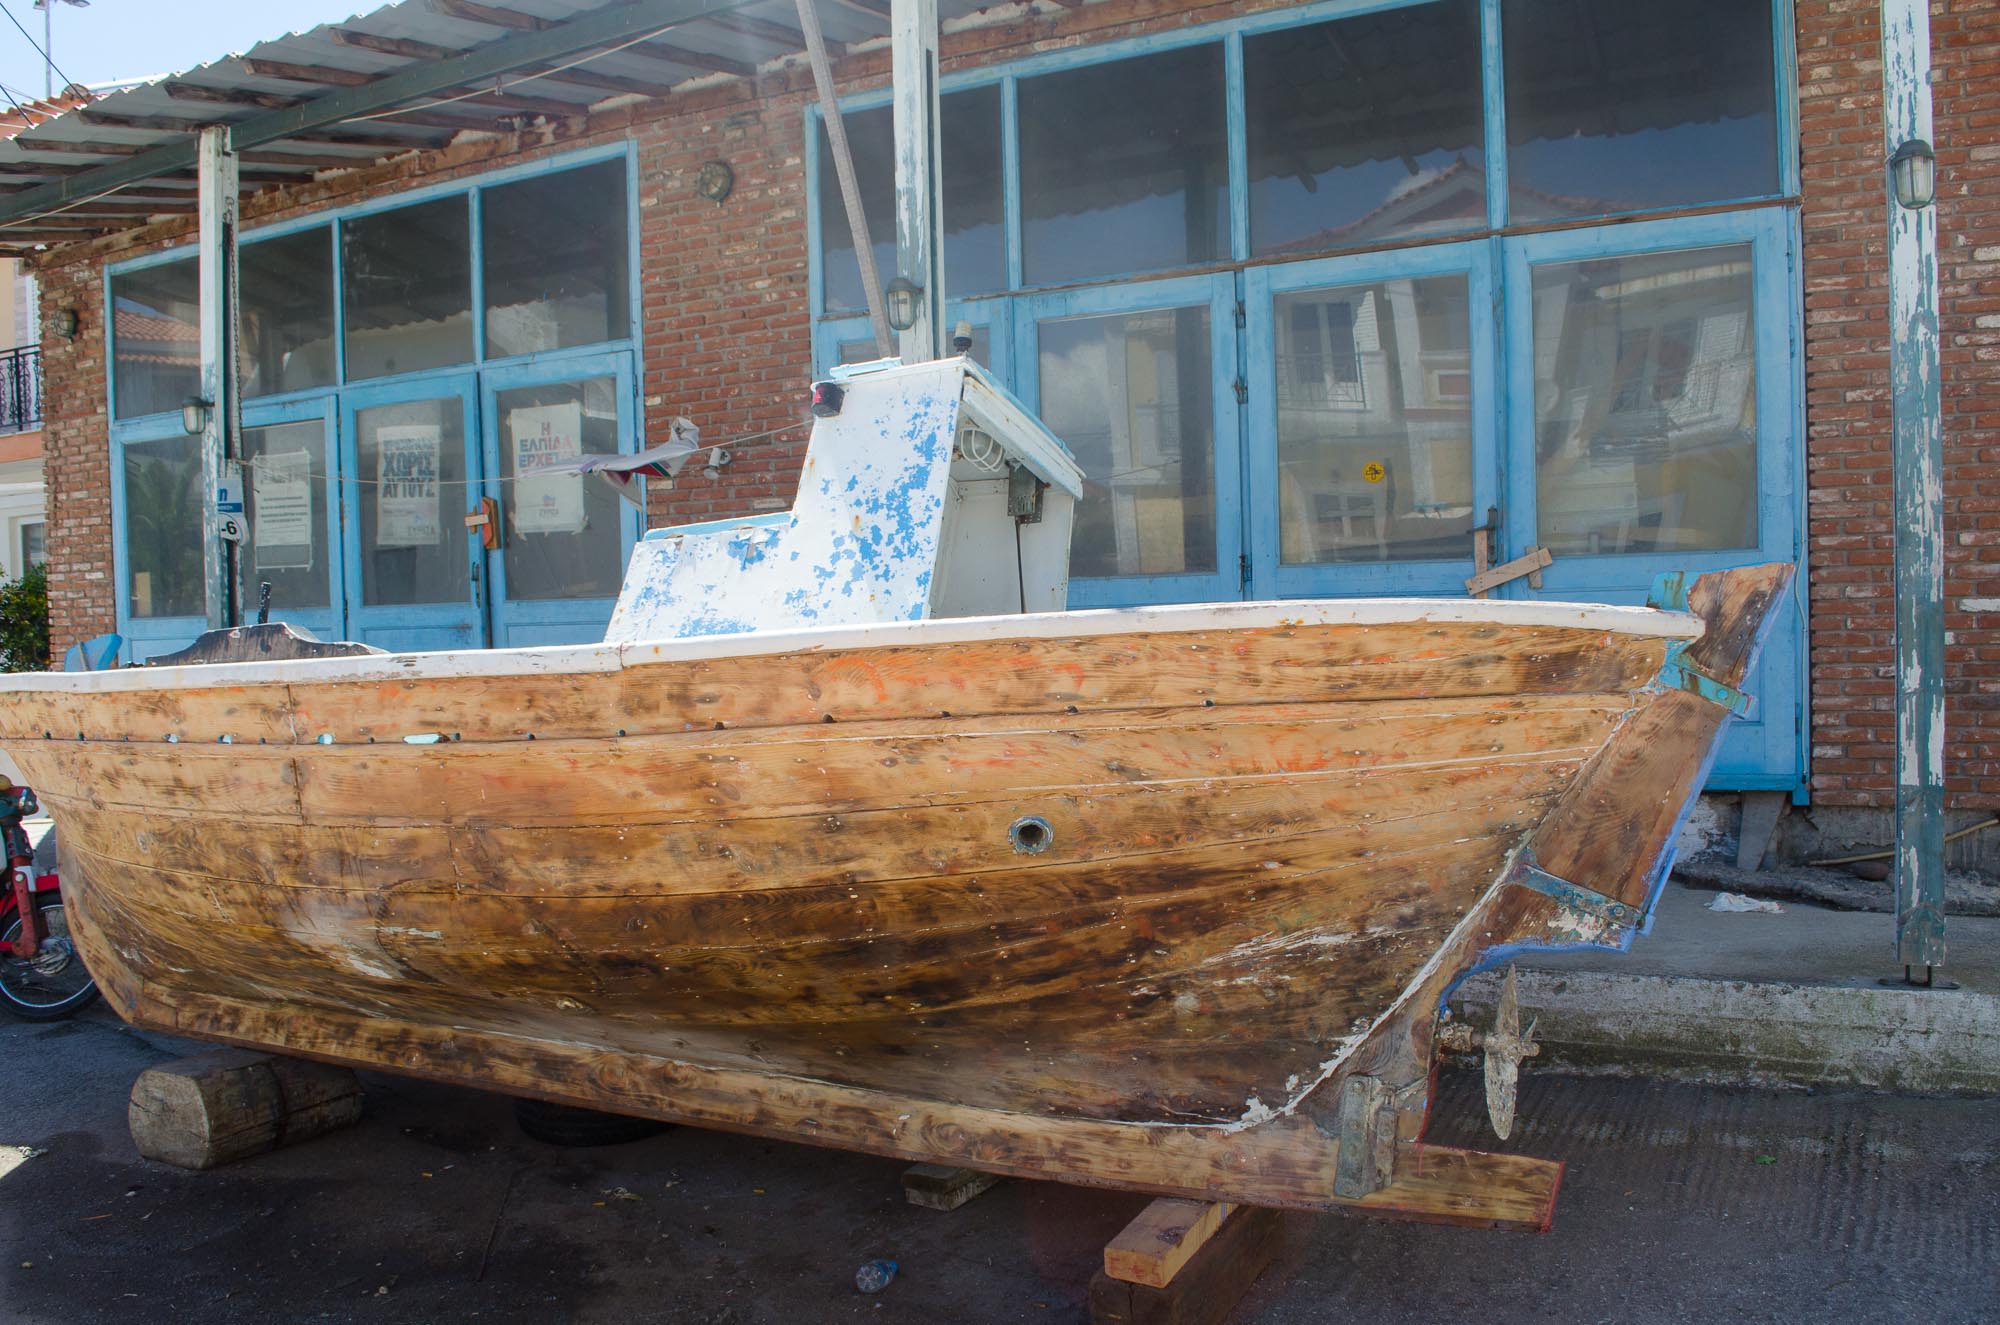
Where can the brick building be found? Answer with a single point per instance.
(1312, 290)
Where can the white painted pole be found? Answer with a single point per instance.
(913, 63)
(216, 184)
(1918, 465)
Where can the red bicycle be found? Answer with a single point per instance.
(42, 975)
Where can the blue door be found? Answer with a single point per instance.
(566, 537)
(1137, 378)
(415, 573)
(1653, 413)
(1373, 446)
(294, 542)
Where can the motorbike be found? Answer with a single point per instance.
(42, 975)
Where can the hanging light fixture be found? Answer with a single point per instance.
(194, 415)
(902, 298)
(1913, 173)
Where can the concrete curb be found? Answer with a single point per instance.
(1741, 1032)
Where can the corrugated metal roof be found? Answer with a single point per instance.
(301, 66)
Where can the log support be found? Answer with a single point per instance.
(941, 1187)
(202, 1112)
(1183, 1263)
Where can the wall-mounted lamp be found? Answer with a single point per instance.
(903, 297)
(714, 181)
(64, 323)
(1913, 172)
(194, 415)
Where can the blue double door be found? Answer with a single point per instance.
(1624, 397)
(411, 515)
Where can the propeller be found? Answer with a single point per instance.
(1504, 1048)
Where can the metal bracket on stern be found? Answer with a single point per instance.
(1528, 874)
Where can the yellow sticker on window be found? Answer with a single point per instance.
(1373, 471)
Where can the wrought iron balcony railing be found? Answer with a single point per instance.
(20, 388)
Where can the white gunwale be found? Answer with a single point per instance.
(1088, 623)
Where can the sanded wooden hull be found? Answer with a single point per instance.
(777, 891)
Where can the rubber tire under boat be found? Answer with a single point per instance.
(565, 1125)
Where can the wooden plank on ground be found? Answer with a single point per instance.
(1165, 1236)
(940, 1187)
(1209, 1284)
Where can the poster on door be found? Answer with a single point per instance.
(282, 529)
(407, 513)
(546, 435)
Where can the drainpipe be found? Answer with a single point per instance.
(221, 475)
(913, 66)
(1918, 462)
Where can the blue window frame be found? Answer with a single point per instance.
(581, 307)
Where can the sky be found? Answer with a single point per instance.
(130, 39)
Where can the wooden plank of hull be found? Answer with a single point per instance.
(1433, 660)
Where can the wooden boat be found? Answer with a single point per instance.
(1162, 899)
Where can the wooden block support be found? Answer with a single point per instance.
(1204, 1257)
(217, 1108)
(940, 1187)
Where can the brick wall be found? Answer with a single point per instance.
(1847, 393)
(76, 462)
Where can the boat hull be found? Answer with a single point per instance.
(785, 890)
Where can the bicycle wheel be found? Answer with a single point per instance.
(52, 983)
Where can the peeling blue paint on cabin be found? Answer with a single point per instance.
(884, 500)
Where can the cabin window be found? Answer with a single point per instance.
(1374, 422)
(975, 253)
(407, 289)
(286, 303)
(163, 517)
(1124, 167)
(1646, 403)
(557, 272)
(155, 338)
(1365, 129)
(1131, 394)
(1619, 107)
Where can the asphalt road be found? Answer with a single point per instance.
(1680, 1204)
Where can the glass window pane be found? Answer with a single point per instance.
(1124, 167)
(412, 494)
(864, 349)
(34, 544)
(1620, 105)
(163, 527)
(287, 309)
(1365, 128)
(562, 531)
(1130, 394)
(555, 261)
(975, 255)
(406, 278)
(155, 338)
(1375, 422)
(287, 504)
(1646, 403)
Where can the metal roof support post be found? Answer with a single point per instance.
(1918, 462)
(216, 209)
(913, 65)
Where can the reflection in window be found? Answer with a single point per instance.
(1365, 128)
(555, 259)
(1124, 167)
(1130, 395)
(286, 501)
(34, 544)
(975, 256)
(155, 338)
(412, 479)
(1375, 422)
(1646, 403)
(563, 531)
(861, 351)
(406, 277)
(1618, 105)
(163, 527)
(287, 312)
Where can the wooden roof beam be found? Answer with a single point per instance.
(328, 76)
(780, 35)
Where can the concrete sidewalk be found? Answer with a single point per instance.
(1757, 999)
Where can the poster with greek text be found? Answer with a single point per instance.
(407, 513)
(546, 435)
(282, 529)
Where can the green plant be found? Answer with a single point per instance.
(24, 621)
